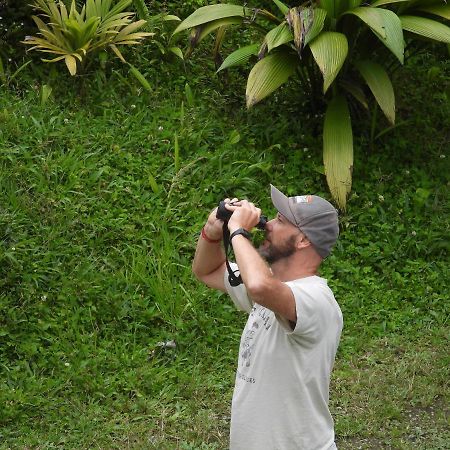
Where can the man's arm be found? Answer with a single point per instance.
(262, 286)
(209, 260)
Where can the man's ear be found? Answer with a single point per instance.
(302, 242)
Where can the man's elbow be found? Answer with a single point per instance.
(196, 272)
(257, 290)
(200, 275)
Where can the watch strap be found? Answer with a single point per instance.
(242, 231)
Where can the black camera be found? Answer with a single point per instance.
(225, 214)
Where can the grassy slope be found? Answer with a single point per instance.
(94, 264)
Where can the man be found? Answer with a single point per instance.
(289, 343)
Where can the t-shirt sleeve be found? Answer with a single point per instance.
(312, 309)
(238, 293)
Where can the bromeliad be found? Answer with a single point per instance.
(73, 34)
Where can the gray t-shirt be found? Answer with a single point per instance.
(280, 399)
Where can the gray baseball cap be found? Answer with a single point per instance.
(312, 215)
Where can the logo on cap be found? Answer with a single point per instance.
(302, 199)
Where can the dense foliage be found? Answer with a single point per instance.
(107, 341)
(348, 41)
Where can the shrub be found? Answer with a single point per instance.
(344, 42)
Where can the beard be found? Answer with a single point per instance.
(273, 253)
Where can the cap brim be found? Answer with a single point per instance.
(281, 203)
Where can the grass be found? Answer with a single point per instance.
(100, 212)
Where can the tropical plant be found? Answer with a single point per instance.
(333, 46)
(74, 34)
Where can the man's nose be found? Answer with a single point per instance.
(269, 225)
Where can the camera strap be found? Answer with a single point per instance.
(234, 280)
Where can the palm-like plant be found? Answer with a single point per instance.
(348, 41)
(73, 34)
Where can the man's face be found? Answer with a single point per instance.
(280, 242)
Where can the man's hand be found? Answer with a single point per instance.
(245, 215)
(214, 226)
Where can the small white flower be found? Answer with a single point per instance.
(160, 128)
(309, 156)
(9, 59)
(413, 233)
(380, 198)
(13, 248)
(407, 172)
(67, 364)
(305, 149)
(23, 117)
(442, 156)
(133, 106)
(66, 120)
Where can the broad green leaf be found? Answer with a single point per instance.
(330, 7)
(268, 75)
(355, 91)
(278, 36)
(281, 6)
(212, 12)
(380, 84)
(317, 25)
(338, 149)
(387, 2)
(386, 25)
(214, 25)
(71, 64)
(438, 10)
(239, 56)
(330, 50)
(427, 28)
(142, 80)
(354, 3)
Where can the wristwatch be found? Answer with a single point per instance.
(242, 231)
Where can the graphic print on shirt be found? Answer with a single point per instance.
(259, 322)
(247, 345)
